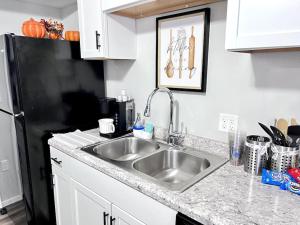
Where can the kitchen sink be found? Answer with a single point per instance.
(125, 149)
(171, 166)
(158, 162)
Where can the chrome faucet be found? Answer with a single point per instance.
(173, 137)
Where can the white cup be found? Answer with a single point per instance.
(106, 126)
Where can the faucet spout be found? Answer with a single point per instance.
(147, 112)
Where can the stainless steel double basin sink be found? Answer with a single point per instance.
(158, 162)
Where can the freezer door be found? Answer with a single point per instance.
(10, 183)
(5, 93)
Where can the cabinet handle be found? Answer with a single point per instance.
(112, 220)
(97, 40)
(56, 161)
(52, 181)
(105, 215)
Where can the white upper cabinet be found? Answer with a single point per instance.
(267, 24)
(113, 5)
(105, 36)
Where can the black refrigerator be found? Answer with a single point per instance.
(49, 89)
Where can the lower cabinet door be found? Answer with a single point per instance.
(120, 217)
(88, 207)
(61, 189)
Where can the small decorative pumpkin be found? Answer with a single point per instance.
(32, 28)
(72, 36)
(54, 35)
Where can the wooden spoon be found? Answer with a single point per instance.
(282, 125)
(170, 67)
(294, 121)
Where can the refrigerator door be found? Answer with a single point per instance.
(58, 92)
(5, 93)
(10, 182)
(25, 168)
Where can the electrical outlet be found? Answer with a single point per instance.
(4, 165)
(228, 122)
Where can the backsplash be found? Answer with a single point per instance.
(196, 142)
(257, 87)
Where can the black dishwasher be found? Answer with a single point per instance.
(184, 220)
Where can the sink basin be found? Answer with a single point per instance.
(172, 166)
(125, 149)
(176, 170)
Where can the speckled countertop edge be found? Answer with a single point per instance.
(228, 196)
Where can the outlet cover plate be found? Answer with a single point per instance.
(228, 122)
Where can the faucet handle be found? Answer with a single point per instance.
(176, 139)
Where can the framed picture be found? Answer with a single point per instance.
(182, 50)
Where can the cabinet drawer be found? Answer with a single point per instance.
(60, 160)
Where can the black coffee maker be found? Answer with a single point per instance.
(122, 112)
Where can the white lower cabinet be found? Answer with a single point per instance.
(85, 196)
(88, 207)
(121, 217)
(61, 188)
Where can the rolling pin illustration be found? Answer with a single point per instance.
(191, 53)
(170, 67)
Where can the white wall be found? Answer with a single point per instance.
(14, 13)
(69, 17)
(257, 87)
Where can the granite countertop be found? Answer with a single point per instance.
(228, 196)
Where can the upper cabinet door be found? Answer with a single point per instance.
(103, 35)
(91, 27)
(88, 207)
(113, 5)
(123, 218)
(268, 24)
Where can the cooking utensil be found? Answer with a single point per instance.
(294, 130)
(280, 136)
(170, 67)
(295, 141)
(282, 125)
(294, 121)
(181, 35)
(289, 140)
(192, 53)
(267, 130)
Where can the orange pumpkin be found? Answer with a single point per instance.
(32, 28)
(54, 36)
(72, 36)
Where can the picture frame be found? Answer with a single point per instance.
(182, 42)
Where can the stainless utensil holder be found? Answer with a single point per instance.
(284, 158)
(256, 154)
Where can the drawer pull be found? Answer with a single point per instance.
(97, 40)
(112, 220)
(56, 161)
(105, 215)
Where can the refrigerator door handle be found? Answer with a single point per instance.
(19, 114)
